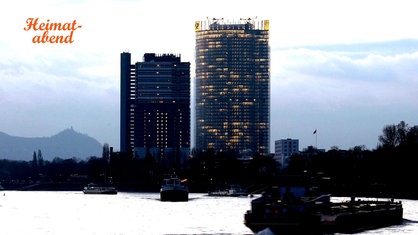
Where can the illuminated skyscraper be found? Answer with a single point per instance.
(155, 107)
(233, 85)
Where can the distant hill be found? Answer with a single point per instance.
(66, 144)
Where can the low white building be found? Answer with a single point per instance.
(285, 148)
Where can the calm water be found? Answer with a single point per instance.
(138, 213)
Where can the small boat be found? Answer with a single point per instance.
(284, 213)
(232, 191)
(173, 189)
(92, 188)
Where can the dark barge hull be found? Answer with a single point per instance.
(364, 216)
(107, 192)
(367, 219)
(295, 225)
(174, 195)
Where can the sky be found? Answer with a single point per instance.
(345, 68)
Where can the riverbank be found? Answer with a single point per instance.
(194, 188)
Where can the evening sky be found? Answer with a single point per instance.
(344, 68)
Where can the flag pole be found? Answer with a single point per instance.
(316, 138)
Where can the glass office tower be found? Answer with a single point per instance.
(233, 85)
(155, 107)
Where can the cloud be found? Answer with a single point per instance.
(43, 96)
(347, 91)
(318, 67)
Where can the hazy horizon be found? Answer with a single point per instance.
(345, 68)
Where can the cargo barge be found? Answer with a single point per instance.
(284, 213)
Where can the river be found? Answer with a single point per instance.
(47, 212)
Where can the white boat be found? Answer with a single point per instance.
(173, 189)
(96, 189)
(232, 191)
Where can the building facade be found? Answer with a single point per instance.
(155, 107)
(284, 149)
(127, 103)
(233, 85)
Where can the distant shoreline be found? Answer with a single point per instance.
(152, 188)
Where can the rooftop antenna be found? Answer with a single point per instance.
(248, 20)
(215, 20)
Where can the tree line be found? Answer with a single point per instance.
(388, 170)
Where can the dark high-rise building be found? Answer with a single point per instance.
(233, 85)
(155, 107)
(127, 103)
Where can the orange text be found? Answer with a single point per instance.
(48, 26)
